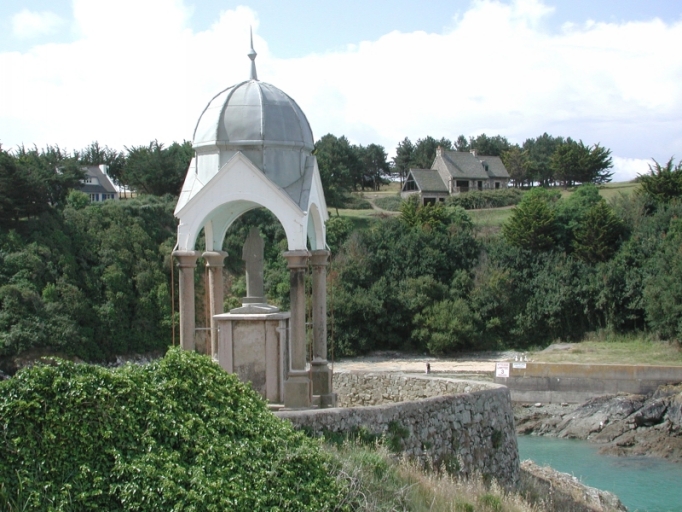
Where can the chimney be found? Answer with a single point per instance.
(473, 152)
(439, 151)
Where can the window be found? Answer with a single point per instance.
(410, 186)
(497, 185)
(480, 185)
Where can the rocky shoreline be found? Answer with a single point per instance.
(634, 425)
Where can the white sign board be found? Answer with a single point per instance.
(502, 370)
(519, 365)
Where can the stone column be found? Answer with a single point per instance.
(214, 262)
(321, 373)
(187, 262)
(297, 389)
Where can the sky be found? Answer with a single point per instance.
(126, 72)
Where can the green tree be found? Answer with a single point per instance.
(462, 144)
(374, 165)
(532, 224)
(51, 172)
(156, 170)
(489, 146)
(540, 151)
(664, 182)
(414, 214)
(403, 158)
(338, 163)
(662, 292)
(16, 193)
(598, 234)
(573, 162)
(425, 151)
(517, 163)
(447, 326)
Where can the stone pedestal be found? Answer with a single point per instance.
(254, 346)
(187, 262)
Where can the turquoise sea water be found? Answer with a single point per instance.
(642, 483)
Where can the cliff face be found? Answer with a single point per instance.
(625, 424)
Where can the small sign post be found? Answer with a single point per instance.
(502, 370)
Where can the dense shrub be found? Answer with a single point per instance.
(386, 275)
(178, 434)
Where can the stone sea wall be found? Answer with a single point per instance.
(577, 382)
(466, 425)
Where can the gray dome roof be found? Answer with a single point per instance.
(253, 113)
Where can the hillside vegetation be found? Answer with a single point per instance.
(94, 280)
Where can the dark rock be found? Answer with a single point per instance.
(667, 390)
(652, 413)
(674, 413)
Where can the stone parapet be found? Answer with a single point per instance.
(466, 423)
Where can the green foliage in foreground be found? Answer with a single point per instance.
(178, 434)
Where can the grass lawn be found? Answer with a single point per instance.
(361, 219)
(621, 350)
(613, 189)
(490, 217)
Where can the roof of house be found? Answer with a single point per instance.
(494, 166)
(465, 165)
(428, 180)
(104, 186)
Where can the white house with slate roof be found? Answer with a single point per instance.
(453, 172)
(98, 185)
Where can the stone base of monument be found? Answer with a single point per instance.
(297, 391)
(255, 347)
(322, 385)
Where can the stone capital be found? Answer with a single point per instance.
(214, 258)
(187, 259)
(297, 259)
(319, 258)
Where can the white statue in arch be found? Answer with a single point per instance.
(253, 148)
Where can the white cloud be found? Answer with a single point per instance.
(138, 72)
(627, 169)
(27, 24)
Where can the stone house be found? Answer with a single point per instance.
(453, 172)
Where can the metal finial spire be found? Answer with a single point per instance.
(252, 56)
